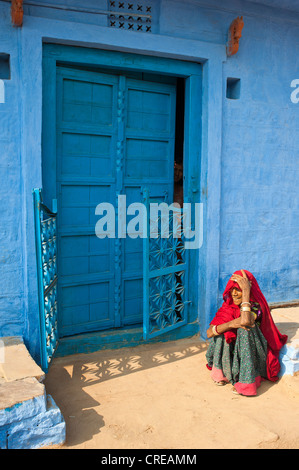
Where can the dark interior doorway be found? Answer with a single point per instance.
(178, 193)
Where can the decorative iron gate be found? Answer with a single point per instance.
(45, 242)
(165, 274)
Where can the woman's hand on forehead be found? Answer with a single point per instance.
(242, 281)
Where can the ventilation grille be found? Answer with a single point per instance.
(131, 15)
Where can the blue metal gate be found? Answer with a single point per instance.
(45, 242)
(165, 274)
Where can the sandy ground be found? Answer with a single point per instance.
(161, 396)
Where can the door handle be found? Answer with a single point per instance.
(193, 189)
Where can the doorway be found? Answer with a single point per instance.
(117, 130)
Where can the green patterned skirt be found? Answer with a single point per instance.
(241, 362)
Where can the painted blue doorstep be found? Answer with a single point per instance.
(29, 425)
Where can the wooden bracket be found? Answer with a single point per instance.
(234, 34)
(17, 12)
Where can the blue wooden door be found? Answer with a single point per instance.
(86, 147)
(114, 136)
(148, 161)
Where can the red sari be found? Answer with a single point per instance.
(229, 311)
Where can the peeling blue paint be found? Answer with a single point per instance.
(34, 427)
(12, 408)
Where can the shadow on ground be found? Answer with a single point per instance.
(70, 376)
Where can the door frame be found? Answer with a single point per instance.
(54, 54)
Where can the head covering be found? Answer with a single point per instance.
(229, 311)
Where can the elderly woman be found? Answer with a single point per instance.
(245, 342)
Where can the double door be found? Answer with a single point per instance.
(115, 136)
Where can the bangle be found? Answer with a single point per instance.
(248, 303)
(246, 309)
(214, 330)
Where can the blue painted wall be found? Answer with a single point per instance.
(259, 194)
(12, 289)
(250, 146)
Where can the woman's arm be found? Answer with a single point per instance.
(236, 323)
(245, 286)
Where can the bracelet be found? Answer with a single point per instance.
(214, 330)
(248, 303)
(245, 309)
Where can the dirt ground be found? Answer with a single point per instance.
(161, 396)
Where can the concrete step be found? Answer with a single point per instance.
(45, 429)
(29, 418)
(16, 362)
(21, 399)
(287, 321)
(32, 419)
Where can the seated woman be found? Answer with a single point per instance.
(245, 342)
